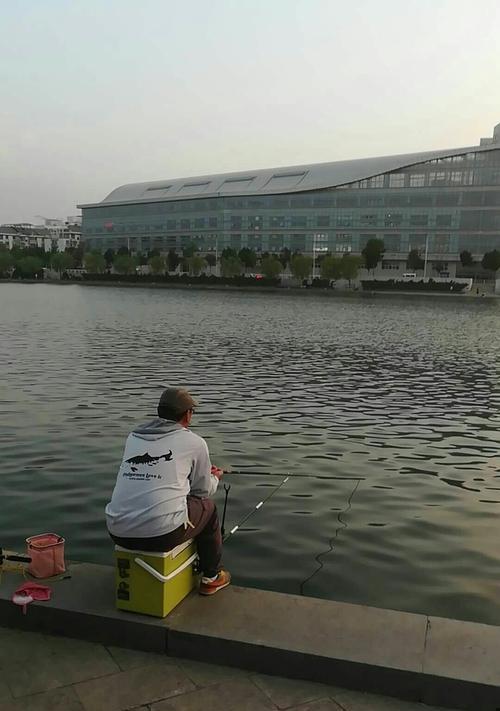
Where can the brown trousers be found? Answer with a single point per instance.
(206, 532)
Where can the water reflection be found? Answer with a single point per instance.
(404, 395)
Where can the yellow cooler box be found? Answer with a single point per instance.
(154, 583)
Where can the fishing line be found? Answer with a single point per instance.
(318, 557)
(255, 509)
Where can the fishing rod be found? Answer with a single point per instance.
(227, 488)
(251, 513)
(242, 472)
(17, 557)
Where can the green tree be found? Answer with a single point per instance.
(331, 267)
(94, 262)
(231, 266)
(125, 264)
(157, 265)
(77, 254)
(415, 261)
(491, 261)
(271, 267)
(61, 261)
(109, 256)
(123, 251)
(248, 257)
(372, 252)
(285, 256)
(211, 259)
(189, 250)
(196, 264)
(350, 265)
(466, 258)
(6, 261)
(30, 266)
(173, 260)
(300, 266)
(228, 252)
(142, 259)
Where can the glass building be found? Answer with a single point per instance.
(439, 203)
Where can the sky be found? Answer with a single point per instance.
(99, 93)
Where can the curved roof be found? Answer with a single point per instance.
(272, 181)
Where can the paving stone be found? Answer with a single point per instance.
(134, 687)
(203, 674)
(290, 692)
(132, 658)
(320, 705)
(238, 695)
(357, 701)
(57, 700)
(5, 694)
(16, 645)
(52, 670)
(68, 645)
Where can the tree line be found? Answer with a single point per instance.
(232, 263)
(29, 262)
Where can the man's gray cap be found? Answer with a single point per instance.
(177, 399)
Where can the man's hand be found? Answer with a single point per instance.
(217, 471)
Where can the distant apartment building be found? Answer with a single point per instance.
(439, 203)
(54, 234)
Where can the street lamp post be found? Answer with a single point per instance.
(426, 253)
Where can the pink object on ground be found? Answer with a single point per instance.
(47, 555)
(28, 592)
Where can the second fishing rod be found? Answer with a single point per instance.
(227, 488)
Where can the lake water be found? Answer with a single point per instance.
(402, 394)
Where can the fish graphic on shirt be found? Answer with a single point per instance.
(148, 459)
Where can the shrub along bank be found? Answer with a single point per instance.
(182, 279)
(428, 285)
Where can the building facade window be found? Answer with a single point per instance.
(343, 242)
(368, 218)
(419, 220)
(417, 180)
(443, 220)
(392, 243)
(393, 219)
(397, 180)
(441, 243)
(255, 222)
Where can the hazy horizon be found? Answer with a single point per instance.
(101, 94)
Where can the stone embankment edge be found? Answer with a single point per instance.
(331, 293)
(437, 661)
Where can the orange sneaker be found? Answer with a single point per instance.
(210, 587)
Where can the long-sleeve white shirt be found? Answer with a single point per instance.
(162, 463)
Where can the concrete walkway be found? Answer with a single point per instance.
(44, 673)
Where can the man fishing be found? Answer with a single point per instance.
(163, 488)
